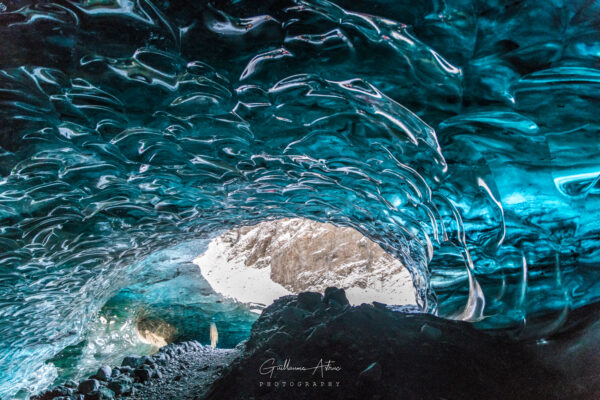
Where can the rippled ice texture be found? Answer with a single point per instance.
(459, 135)
(170, 300)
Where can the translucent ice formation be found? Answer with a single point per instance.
(459, 135)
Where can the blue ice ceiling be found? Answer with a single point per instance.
(462, 136)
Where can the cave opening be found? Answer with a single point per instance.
(180, 295)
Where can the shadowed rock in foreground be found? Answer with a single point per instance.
(314, 346)
(318, 347)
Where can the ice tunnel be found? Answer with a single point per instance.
(461, 136)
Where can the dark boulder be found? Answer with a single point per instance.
(87, 386)
(57, 392)
(120, 386)
(335, 296)
(293, 315)
(104, 373)
(142, 374)
(126, 370)
(132, 361)
(309, 301)
(100, 394)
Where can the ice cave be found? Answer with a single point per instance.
(406, 189)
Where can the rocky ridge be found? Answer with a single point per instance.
(314, 346)
(301, 254)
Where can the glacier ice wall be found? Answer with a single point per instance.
(170, 301)
(460, 135)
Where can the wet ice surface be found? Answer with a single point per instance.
(460, 136)
(171, 301)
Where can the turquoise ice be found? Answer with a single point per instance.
(462, 136)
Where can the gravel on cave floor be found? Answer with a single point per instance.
(178, 371)
(188, 375)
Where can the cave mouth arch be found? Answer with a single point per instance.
(88, 199)
(177, 295)
(484, 184)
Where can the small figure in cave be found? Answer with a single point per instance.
(214, 335)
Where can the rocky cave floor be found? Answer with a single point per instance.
(314, 346)
(178, 371)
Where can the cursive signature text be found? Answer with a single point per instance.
(269, 367)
